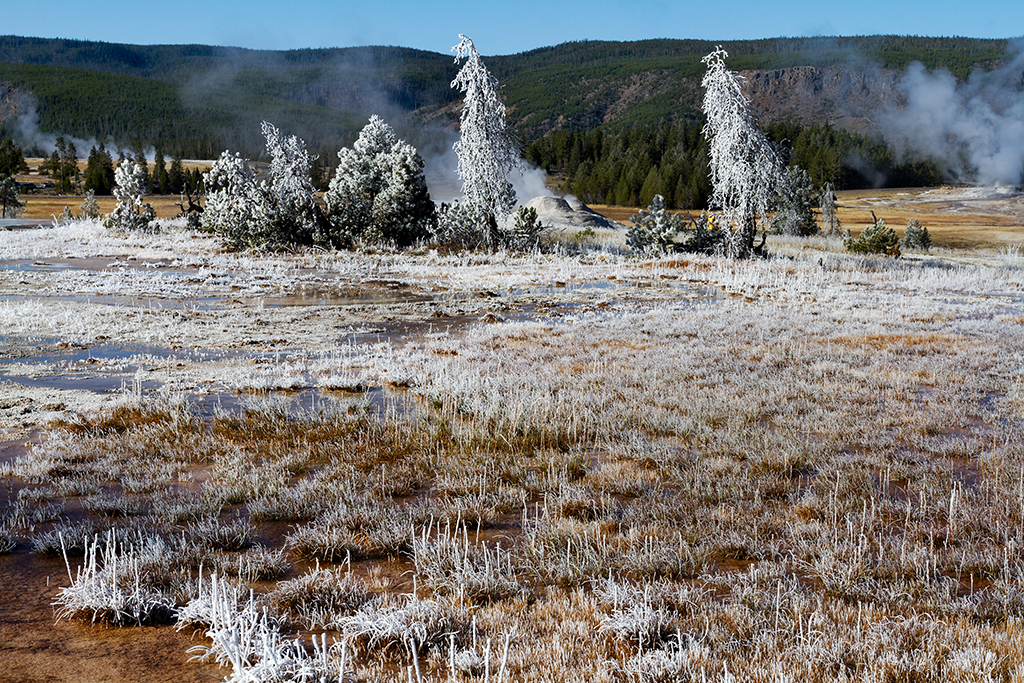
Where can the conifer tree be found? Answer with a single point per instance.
(176, 176)
(99, 171)
(794, 205)
(487, 149)
(160, 185)
(829, 217)
(11, 204)
(744, 166)
(379, 193)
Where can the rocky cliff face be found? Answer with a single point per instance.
(8, 101)
(843, 96)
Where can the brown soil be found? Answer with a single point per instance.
(34, 648)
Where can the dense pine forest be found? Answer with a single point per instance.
(629, 166)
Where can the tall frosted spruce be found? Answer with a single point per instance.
(486, 149)
(745, 167)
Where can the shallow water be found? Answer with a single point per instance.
(109, 367)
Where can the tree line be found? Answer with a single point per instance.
(629, 166)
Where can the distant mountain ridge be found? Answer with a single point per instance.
(196, 98)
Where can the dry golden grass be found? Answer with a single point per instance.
(954, 221)
(48, 206)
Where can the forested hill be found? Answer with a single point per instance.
(195, 98)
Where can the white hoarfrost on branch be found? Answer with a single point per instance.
(236, 208)
(131, 214)
(292, 195)
(654, 229)
(379, 193)
(487, 149)
(745, 167)
(281, 210)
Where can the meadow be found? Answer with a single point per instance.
(573, 465)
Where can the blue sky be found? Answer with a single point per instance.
(497, 28)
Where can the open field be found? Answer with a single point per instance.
(959, 218)
(50, 206)
(574, 466)
(46, 204)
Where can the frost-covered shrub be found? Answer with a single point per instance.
(877, 238)
(379, 193)
(131, 214)
(90, 207)
(916, 236)
(461, 225)
(278, 211)
(704, 236)
(654, 229)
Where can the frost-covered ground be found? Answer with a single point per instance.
(573, 466)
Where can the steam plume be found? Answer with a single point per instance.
(975, 128)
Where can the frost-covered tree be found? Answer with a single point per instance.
(131, 214)
(829, 216)
(745, 168)
(291, 193)
(487, 149)
(90, 207)
(654, 229)
(379, 193)
(794, 205)
(236, 206)
(11, 205)
(280, 210)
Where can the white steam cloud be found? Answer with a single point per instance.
(28, 135)
(440, 164)
(975, 128)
